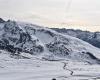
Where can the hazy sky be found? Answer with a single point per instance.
(55, 13)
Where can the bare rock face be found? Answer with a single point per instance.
(13, 39)
(1, 20)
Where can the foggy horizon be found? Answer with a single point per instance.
(77, 14)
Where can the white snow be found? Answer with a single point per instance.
(36, 69)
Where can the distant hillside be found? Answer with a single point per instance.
(90, 37)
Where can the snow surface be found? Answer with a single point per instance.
(37, 69)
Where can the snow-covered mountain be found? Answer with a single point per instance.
(27, 39)
(90, 37)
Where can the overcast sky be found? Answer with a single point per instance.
(55, 13)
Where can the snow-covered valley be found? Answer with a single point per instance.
(38, 69)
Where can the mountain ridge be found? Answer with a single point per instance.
(90, 37)
(39, 41)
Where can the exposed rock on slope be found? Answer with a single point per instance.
(13, 39)
(35, 40)
(1, 20)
